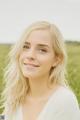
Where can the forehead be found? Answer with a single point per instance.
(40, 36)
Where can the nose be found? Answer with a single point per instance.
(31, 54)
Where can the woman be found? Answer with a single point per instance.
(36, 88)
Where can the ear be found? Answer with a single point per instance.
(57, 61)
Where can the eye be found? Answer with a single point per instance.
(43, 50)
(26, 46)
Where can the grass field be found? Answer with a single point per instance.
(73, 67)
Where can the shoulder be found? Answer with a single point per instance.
(66, 104)
(65, 96)
(63, 105)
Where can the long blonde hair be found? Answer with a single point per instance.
(16, 84)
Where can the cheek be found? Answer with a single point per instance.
(46, 60)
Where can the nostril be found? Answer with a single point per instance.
(30, 58)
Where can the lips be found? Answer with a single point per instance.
(30, 64)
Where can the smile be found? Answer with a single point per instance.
(31, 65)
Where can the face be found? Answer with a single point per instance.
(37, 56)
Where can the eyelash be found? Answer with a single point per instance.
(26, 46)
(40, 49)
(43, 50)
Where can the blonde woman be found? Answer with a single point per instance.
(36, 88)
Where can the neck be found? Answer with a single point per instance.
(39, 88)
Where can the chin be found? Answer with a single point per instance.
(29, 75)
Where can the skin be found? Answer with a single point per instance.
(36, 60)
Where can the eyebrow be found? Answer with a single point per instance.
(40, 45)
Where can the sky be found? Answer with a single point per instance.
(16, 15)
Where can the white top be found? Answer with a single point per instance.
(62, 105)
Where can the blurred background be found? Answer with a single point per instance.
(16, 15)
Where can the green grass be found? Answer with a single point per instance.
(4, 49)
(73, 66)
(3, 54)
